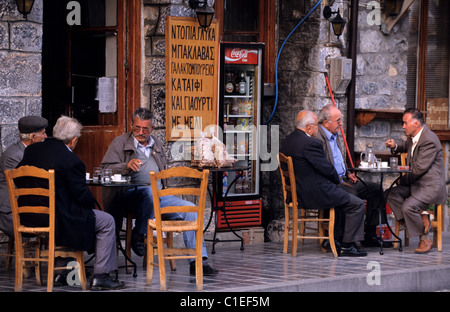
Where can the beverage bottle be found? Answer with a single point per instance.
(229, 84)
(246, 183)
(238, 185)
(224, 183)
(242, 84)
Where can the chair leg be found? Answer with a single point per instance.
(18, 285)
(150, 259)
(173, 266)
(286, 229)
(294, 233)
(82, 270)
(128, 230)
(396, 232)
(37, 265)
(331, 233)
(50, 273)
(199, 269)
(162, 268)
(440, 225)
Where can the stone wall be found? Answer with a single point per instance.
(20, 67)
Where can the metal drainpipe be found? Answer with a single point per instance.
(353, 39)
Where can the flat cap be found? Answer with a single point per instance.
(31, 124)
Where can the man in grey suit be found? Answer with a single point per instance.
(425, 184)
(31, 130)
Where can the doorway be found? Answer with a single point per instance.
(85, 69)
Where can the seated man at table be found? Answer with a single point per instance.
(31, 130)
(330, 120)
(78, 224)
(318, 182)
(425, 184)
(136, 154)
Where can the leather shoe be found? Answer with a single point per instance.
(426, 223)
(326, 245)
(207, 269)
(105, 282)
(60, 280)
(424, 246)
(352, 251)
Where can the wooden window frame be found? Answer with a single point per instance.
(266, 33)
(444, 135)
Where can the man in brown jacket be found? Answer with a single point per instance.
(425, 184)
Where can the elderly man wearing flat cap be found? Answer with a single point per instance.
(31, 130)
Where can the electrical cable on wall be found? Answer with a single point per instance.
(278, 58)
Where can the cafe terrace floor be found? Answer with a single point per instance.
(263, 267)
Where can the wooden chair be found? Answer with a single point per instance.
(437, 222)
(169, 226)
(292, 220)
(48, 232)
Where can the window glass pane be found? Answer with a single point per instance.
(413, 40)
(438, 49)
(98, 13)
(240, 15)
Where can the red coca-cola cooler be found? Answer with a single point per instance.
(241, 88)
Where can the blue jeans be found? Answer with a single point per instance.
(140, 202)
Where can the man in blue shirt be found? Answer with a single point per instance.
(330, 120)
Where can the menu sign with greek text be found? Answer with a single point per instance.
(192, 61)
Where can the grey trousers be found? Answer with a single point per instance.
(353, 213)
(105, 247)
(406, 207)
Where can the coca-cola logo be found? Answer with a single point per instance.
(238, 54)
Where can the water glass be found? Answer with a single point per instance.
(107, 173)
(393, 162)
(97, 175)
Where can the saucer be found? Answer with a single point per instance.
(119, 181)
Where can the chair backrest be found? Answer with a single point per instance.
(288, 179)
(32, 188)
(180, 172)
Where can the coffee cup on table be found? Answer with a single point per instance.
(384, 164)
(364, 164)
(117, 177)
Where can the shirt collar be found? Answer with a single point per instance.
(150, 144)
(328, 134)
(416, 138)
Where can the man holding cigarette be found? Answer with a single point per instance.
(136, 154)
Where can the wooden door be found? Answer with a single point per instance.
(85, 70)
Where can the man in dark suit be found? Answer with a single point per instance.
(425, 184)
(330, 122)
(31, 130)
(318, 182)
(78, 224)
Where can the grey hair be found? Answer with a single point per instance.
(325, 113)
(66, 129)
(308, 119)
(143, 114)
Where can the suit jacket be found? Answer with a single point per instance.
(317, 180)
(427, 177)
(74, 216)
(322, 137)
(9, 160)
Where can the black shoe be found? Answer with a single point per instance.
(60, 280)
(327, 247)
(105, 282)
(137, 244)
(351, 251)
(207, 269)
